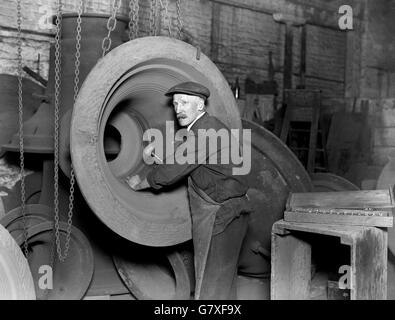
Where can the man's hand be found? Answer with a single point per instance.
(136, 183)
(149, 156)
(148, 151)
(133, 181)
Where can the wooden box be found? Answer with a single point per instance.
(291, 259)
(360, 208)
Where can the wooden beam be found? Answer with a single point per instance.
(345, 199)
(316, 16)
(288, 57)
(215, 30)
(345, 220)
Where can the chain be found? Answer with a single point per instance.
(21, 141)
(179, 21)
(111, 24)
(133, 19)
(167, 16)
(153, 17)
(77, 52)
(56, 117)
(56, 131)
(63, 256)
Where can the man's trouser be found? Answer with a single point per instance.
(220, 275)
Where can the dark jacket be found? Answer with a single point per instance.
(215, 179)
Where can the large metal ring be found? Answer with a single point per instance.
(275, 172)
(66, 285)
(329, 182)
(16, 281)
(124, 93)
(34, 214)
(151, 274)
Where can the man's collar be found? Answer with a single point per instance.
(196, 119)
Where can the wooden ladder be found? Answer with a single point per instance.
(303, 105)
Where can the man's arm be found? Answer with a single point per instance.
(187, 158)
(166, 174)
(162, 175)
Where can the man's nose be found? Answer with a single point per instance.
(177, 109)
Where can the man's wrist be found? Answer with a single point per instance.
(143, 185)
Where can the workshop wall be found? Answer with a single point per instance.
(377, 80)
(238, 36)
(246, 34)
(378, 63)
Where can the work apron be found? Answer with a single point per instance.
(222, 233)
(203, 212)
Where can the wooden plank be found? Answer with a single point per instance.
(326, 53)
(343, 199)
(291, 268)
(386, 222)
(347, 234)
(351, 212)
(369, 266)
(323, 14)
(285, 126)
(288, 55)
(313, 136)
(215, 30)
(243, 45)
(329, 88)
(353, 60)
(303, 58)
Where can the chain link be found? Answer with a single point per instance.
(133, 19)
(111, 24)
(77, 52)
(153, 17)
(21, 140)
(62, 257)
(58, 24)
(179, 19)
(136, 18)
(167, 19)
(56, 121)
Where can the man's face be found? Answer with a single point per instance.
(187, 108)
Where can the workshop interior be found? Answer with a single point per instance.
(312, 81)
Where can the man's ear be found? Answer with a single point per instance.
(201, 105)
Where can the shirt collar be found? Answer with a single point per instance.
(196, 119)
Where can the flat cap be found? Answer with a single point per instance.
(190, 88)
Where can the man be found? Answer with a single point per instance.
(217, 198)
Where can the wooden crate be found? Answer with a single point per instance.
(361, 208)
(291, 259)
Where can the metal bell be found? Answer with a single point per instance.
(38, 133)
(9, 104)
